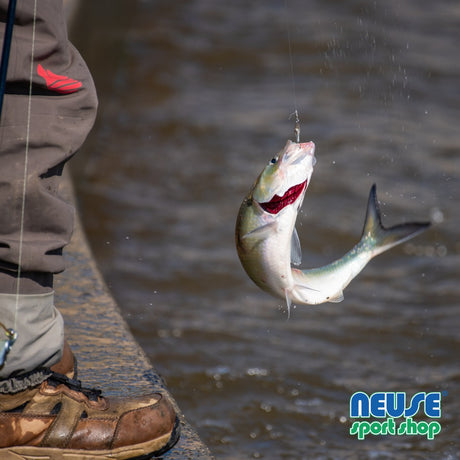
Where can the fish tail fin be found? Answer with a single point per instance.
(385, 238)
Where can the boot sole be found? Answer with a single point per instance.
(142, 451)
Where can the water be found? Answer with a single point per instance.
(195, 97)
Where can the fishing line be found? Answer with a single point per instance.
(291, 63)
(26, 162)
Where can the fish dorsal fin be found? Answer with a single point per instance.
(296, 250)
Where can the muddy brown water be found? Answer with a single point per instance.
(194, 100)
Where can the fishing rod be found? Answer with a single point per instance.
(11, 335)
(6, 49)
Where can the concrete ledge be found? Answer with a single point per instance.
(108, 356)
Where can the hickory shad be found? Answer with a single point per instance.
(268, 244)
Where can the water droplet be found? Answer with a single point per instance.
(441, 251)
(437, 215)
(266, 407)
(257, 371)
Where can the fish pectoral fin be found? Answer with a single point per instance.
(336, 299)
(296, 250)
(261, 231)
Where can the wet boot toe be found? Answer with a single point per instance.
(61, 417)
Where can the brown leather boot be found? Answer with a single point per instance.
(60, 419)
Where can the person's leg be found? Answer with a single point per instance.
(46, 117)
(42, 410)
(62, 109)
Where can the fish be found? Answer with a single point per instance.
(268, 245)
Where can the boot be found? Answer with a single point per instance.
(61, 419)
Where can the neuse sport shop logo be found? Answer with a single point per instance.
(397, 413)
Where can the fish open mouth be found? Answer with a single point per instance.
(277, 203)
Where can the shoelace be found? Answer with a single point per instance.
(56, 379)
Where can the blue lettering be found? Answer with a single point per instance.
(396, 403)
(359, 405)
(378, 406)
(382, 404)
(433, 404)
(414, 404)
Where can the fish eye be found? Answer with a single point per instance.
(274, 160)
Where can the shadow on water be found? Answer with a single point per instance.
(194, 100)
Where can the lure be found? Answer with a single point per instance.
(5, 345)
